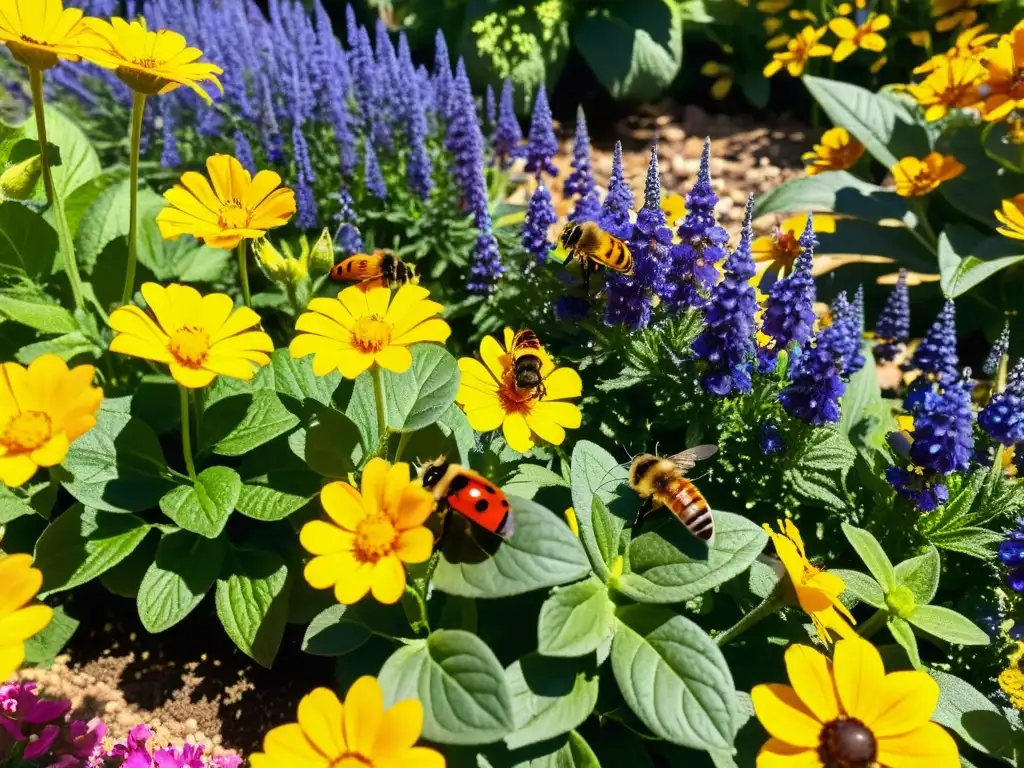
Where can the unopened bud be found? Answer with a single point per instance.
(19, 181)
(321, 255)
(279, 268)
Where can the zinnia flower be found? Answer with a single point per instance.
(358, 732)
(150, 62)
(799, 50)
(915, 177)
(781, 248)
(1012, 218)
(199, 337)
(817, 590)
(953, 84)
(849, 712)
(237, 207)
(490, 398)
(365, 326)
(45, 408)
(837, 151)
(853, 37)
(41, 32)
(372, 532)
(19, 583)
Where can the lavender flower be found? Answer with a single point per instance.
(486, 267)
(372, 176)
(541, 145)
(540, 217)
(347, 237)
(893, 327)
(170, 157)
(936, 356)
(845, 319)
(618, 203)
(305, 199)
(855, 361)
(815, 383)
(924, 489)
(789, 316)
(243, 151)
(1003, 417)
(507, 135)
(442, 78)
(580, 183)
(998, 351)
(943, 436)
(1011, 553)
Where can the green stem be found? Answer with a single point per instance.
(403, 441)
(930, 240)
(382, 419)
(872, 625)
(186, 436)
(293, 298)
(763, 610)
(424, 621)
(243, 272)
(138, 108)
(36, 79)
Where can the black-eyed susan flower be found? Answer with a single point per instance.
(953, 84)
(41, 32)
(854, 37)
(1004, 85)
(799, 50)
(915, 177)
(837, 151)
(359, 733)
(19, 583)
(817, 590)
(43, 409)
(1011, 216)
(490, 398)
(849, 712)
(373, 532)
(365, 326)
(778, 251)
(198, 337)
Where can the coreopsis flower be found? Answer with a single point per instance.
(920, 176)
(618, 203)
(816, 589)
(838, 151)
(1011, 216)
(507, 135)
(358, 731)
(849, 712)
(236, 207)
(372, 533)
(19, 620)
(799, 50)
(490, 398)
(950, 14)
(723, 77)
(1011, 553)
(936, 355)
(999, 349)
(361, 327)
(853, 37)
(953, 84)
(39, 33)
(780, 249)
(541, 144)
(1004, 85)
(789, 315)
(540, 217)
(892, 330)
(580, 183)
(198, 337)
(46, 407)
(150, 62)
(1003, 417)
(970, 43)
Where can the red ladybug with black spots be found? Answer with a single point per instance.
(470, 494)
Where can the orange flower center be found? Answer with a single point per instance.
(189, 346)
(371, 334)
(233, 215)
(375, 538)
(513, 399)
(787, 248)
(26, 432)
(847, 743)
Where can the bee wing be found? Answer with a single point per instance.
(686, 460)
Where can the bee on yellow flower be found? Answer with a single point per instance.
(1004, 87)
(956, 13)
(837, 151)
(723, 79)
(801, 49)
(920, 176)
(863, 36)
(954, 84)
(778, 251)
(1011, 216)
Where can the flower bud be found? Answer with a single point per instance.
(281, 269)
(321, 256)
(19, 181)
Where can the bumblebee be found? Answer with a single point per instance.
(661, 481)
(594, 248)
(382, 265)
(527, 362)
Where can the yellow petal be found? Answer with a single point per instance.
(417, 505)
(859, 674)
(908, 701)
(333, 309)
(779, 754)
(434, 329)
(475, 376)
(517, 433)
(930, 746)
(810, 674)
(287, 745)
(11, 657)
(364, 713)
(52, 452)
(354, 299)
(563, 383)
(21, 582)
(545, 428)
(344, 504)
(16, 470)
(371, 485)
(352, 363)
(485, 415)
(327, 570)
(388, 580)
(492, 355)
(354, 586)
(320, 538)
(399, 730)
(415, 545)
(784, 716)
(191, 378)
(133, 346)
(394, 358)
(418, 757)
(321, 718)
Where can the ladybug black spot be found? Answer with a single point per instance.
(504, 503)
(458, 483)
(482, 505)
(490, 489)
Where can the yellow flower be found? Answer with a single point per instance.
(772, 24)
(915, 177)
(848, 712)
(359, 733)
(43, 409)
(953, 84)
(363, 326)
(237, 207)
(372, 533)
(956, 13)
(777, 42)
(199, 337)
(19, 583)
(1011, 679)
(673, 205)
(490, 398)
(1012, 218)
(41, 32)
(853, 37)
(1004, 87)
(817, 591)
(570, 518)
(799, 51)
(969, 44)
(278, 267)
(723, 81)
(150, 62)
(837, 151)
(922, 38)
(781, 248)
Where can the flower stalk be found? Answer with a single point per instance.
(243, 271)
(36, 80)
(771, 604)
(138, 109)
(382, 418)
(872, 625)
(186, 434)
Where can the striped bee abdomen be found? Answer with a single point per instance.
(689, 505)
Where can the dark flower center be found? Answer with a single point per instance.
(847, 743)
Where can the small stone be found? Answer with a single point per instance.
(693, 147)
(673, 134)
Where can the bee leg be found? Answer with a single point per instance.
(568, 258)
(645, 509)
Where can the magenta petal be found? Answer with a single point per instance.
(46, 711)
(13, 727)
(42, 745)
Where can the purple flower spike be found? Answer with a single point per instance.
(618, 203)
(815, 384)
(789, 317)
(490, 107)
(540, 217)
(372, 176)
(943, 436)
(1003, 417)
(580, 183)
(936, 356)
(893, 327)
(541, 145)
(998, 351)
(507, 135)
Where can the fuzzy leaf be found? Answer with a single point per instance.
(872, 555)
(204, 507)
(920, 575)
(597, 476)
(575, 620)
(904, 635)
(969, 713)
(549, 697)
(862, 586)
(252, 602)
(332, 633)
(948, 625)
(185, 568)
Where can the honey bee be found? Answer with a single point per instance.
(594, 248)
(382, 265)
(661, 480)
(527, 362)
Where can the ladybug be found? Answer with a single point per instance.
(470, 494)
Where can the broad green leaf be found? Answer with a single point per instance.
(237, 424)
(861, 586)
(872, 555)
(976, 542)
(549, 697)
(419, 396)
(575, 620)
(13, 506)
(567, 751)
(921, 575)
(27, 242)
(674, 678)
(185, 568)
(79, 162)
(82, 543)
(462, 685)
(43, 647)
(125, 578)
(948, 625)
(540, 553)
(667, 564)
(836, 192)
(78, 202)
(66, 347)
(108, 219)
(981, 188)
(252, 602)
(904, 635)
(332, 633)
(819, 472)
(450, 436)
(278, 496)
(595, 474)
(331, 445)
(295, 378)
(971, 271)
(530, 478)
(972, 716)
(204, 507)
(46, 317)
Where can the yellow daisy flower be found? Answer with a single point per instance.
(969, 43)
(953, 84)
(799, 50)
(838, 151)
(150, 62)
(778, 251)
(915, 177)
(490, 398)
(19, 583)
(817, 591)
(853, 37)
(359, 733)
(1012, 218)
(956, 13)
(1004, 86)
(366, 326)
(922, 38)
(849, 712)
(41, 32)
(373, 532)
(43, 409)
(199, 337)
(237, 207)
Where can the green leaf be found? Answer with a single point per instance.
(418, 397)
(971, 716)
(82, 543)
(79, 162)
(252, 602)
(331, 445)
(185, 568)
(46, 317)
(204, 507)
(976, 542)
(634, 49)
(78, 202)
(819, 472)
(237, 424)
(836, 192)
(674, 678)
(540, 553)
(566, 751)
(27, 242)
(862, 586)
(465, 695)
(948, 625)
(575, 620)
(920, 575)
(530, 478)
(66, 347)
(282, 494)
(13, 506)
(295, 378)
(872, 555)
(962, 273)
(332, 633)
(125, 578)
(549, 697)
(904, 635)
(595, 474)
(43, 647)
(669, 565)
